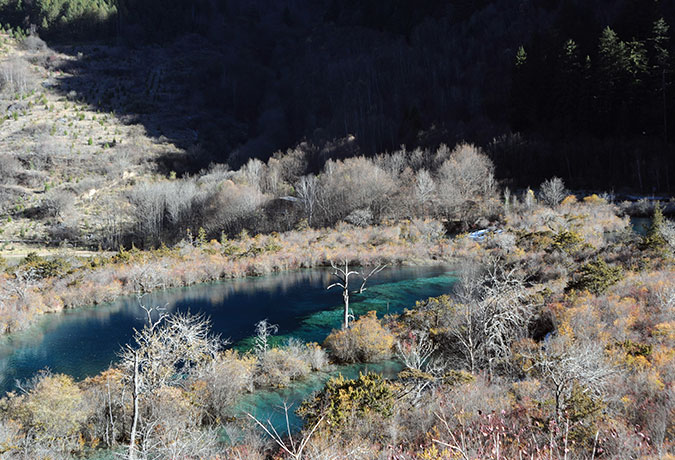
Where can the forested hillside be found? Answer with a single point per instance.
(573, 88)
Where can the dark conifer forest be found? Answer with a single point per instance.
(578, 89)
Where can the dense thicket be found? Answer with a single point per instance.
(456, 185)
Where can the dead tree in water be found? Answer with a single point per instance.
(343, 274)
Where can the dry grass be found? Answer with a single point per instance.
(55, 137)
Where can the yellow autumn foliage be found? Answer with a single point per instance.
(365, 341)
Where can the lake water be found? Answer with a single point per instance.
(84, 342)
(640, 225)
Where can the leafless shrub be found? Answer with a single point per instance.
(16, 76)
(293, 447)
(126, 154)
(251, 444)
(563, 364)
(505, 241)
(87, 184)
(552, 191)
(279, 366)
(21, 285)
(47, 153)
(176, 441)
(416, 352)
(63, 232)
(57, 203)
(293, 163)
(424, 187)
(356, 183)
(668, 233)
(493, 311)
(216, 174)
(365, 341)
(642, 206)
(34, 43)
(226, 378)
(9, 167)
(426, 230)
(465, 183)
(360, 217)
(310, 353)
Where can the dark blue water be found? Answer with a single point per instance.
(640, 225)
(84, 342)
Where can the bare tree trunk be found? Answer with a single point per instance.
(343, 275)
(111, 435)
(345, 297)
(134, 424)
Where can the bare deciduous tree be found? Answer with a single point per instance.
(307, 190)
(493, 312)
(162, 353)
(231, 205)
(263, 331)
(355, 183)
(552, 191)
(147, 277)
(253, 173)
(424, 187)
(343, 275)
(563, 363)
(15, 75)
(149, 202)
(466, 182)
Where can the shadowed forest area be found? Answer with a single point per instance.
(581, 90)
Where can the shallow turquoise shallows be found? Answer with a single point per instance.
(84, 342)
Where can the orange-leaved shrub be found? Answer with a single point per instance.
(365, 341)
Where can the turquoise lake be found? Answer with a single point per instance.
(84, 342)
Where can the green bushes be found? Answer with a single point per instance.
(596, 277)
(46, 268)
(654, 239)
(343, 399)
(567, 241)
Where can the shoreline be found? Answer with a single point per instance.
(105, 279)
